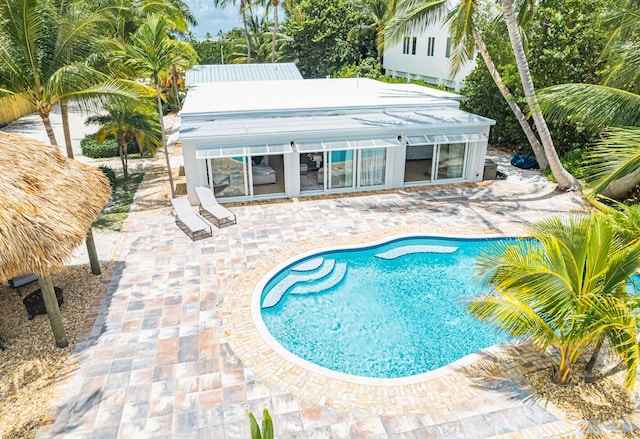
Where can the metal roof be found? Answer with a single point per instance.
(320, 96)
(202, 74)
(322, 127)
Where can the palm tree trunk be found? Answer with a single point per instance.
(44, 115)
(174, 77)
(123, 148)
(246, 30)
(565, 179)
(275, 29)
(588, 369)
(620, 188)
(537, 148)
(64, 112)
(164, 139)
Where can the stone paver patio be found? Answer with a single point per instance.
(172, 353)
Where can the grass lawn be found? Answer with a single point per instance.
(116, 211)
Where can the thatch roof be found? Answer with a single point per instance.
(47, 205)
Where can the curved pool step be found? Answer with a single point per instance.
(333, 279)
(310, 265)
(412, 249)
(276, 293)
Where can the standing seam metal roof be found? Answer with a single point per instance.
(241, 72)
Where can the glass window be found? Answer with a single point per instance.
(431, 43)
(372, 166)
(451, 160)
(340, 169)
(448, 50)
(228, 176)
(413, 47)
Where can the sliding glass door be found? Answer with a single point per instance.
(373, 166)
(228, 176)
(451, 158)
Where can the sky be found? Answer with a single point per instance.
(212, 19)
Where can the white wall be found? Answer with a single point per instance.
(432, 69)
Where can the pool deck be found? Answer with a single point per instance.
(174, 352)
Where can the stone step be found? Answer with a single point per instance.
(310, 265)
(333, 279)
(411, 249)
(276, 293)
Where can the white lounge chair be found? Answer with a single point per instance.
(210, 208)
(189, 221)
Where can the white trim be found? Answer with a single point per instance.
(242, 151)
(345, 145)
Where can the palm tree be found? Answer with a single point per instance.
(126, 122)
(261, 43)
(380, 12)
(614, 106)
(245, 9)
(151, 53)
(464, 22)
(563, 177)
(42, 54)
(565, 290)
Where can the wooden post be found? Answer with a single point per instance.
(53, 311)
(93, 254)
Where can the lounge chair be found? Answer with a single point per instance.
(209, 208)
(189, 221)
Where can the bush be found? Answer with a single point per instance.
(106, 149)
(111, 175)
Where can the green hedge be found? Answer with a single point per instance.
(111, 175)
(106, 149)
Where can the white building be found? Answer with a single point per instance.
(291, 138)
(425, 55)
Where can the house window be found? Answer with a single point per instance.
(413, 47)
(448, 51)
(405, 45)
(431, 42)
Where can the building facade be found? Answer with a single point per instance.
(425, 55)
(291, 138)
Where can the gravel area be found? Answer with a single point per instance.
(31, 363)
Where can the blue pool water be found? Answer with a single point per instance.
(377, 312)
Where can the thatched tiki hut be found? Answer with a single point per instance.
(47, 206)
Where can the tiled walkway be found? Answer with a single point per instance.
(160, 360)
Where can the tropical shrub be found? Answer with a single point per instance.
(107, 149)
(565, 290)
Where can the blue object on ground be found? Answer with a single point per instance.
(524, 161)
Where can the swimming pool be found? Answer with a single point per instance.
(388, 310)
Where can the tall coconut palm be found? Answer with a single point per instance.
(42, 54)
(380, 12)
(245, 12)
(565, 290)
(261, 44)
(563, 177)
(126, 122)
(152, 54)
(464, 23)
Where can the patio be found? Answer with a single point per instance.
(165, 359)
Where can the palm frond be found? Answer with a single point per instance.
(614, 156)
(414, 16)
(513, 317)
(596, 106)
